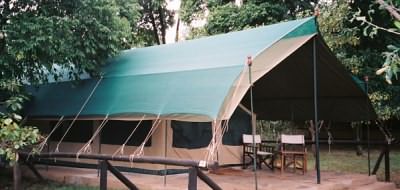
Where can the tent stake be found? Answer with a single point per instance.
(317, 165)
(253, 127)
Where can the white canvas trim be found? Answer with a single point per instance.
(264, 62)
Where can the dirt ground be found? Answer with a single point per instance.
(229, 178)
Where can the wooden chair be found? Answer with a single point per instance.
(293, 147)
(263, 152)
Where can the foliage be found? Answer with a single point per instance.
(224, 15)
(154, 21)
(37, 37)
(76, 35)
(374, 14)
(271, 130)
(14, 137)
(358, 52)
(230, 17)
(192, 10)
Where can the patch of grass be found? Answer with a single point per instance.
(57, 186)
(6, 183)
(346, 161)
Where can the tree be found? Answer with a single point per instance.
(362, 56)
(36, 36)
(13, 135)
(155, 20)
(391, 62)
(225, 16)
(76, 35)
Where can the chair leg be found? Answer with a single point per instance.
(270, 165)
(294, 163)
(305, 163)
(272, 162)
(244, 162)
(282, 162)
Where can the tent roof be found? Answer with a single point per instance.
(195, 80)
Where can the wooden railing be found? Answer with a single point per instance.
(104, 165)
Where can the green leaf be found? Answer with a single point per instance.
(7, 121)
(397, 24)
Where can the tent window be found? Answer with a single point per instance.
(116, 132)
(239, 124)
(191, 134)
(80, 132)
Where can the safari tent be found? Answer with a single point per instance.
(199, 84)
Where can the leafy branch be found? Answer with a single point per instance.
(392, 58)
(365, 21)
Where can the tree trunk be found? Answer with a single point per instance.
(153, 24)
(382, 125)
(162, 23)
(177, 30)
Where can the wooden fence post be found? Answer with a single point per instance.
(121, 177)
(192, 185)
(387, 163)
(17, 176)
(103, 175)
(208, 180)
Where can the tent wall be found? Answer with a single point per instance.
(286, 92)
(226, 154)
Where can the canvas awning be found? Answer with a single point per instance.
(205, 79)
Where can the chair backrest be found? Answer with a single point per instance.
(292, 139)
(247, 139)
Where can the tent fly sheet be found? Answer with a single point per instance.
(205, 79)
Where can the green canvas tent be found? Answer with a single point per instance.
(206, 79)
(295, 75)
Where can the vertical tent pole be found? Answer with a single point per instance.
(253, 127)
(165, 151)
(95, 123)
(368, 134)
(317, 165)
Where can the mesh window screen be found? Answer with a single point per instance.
(191, 134)
(116, 132)
(80, 132)
(239, 124)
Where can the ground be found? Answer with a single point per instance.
(341, 161)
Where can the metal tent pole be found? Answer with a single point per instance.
(316, 112)
(253, 127)
(368, 132)
(165, 150)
